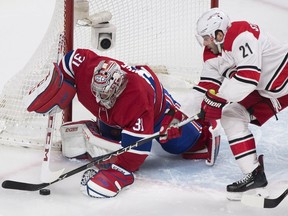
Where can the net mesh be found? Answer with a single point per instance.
(158, 33)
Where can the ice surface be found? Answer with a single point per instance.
(166, 184)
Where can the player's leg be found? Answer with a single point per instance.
(235, 120)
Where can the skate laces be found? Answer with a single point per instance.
(245, 179)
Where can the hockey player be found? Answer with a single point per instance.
(129, 103)
(252, 74)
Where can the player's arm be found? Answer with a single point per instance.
(210, 78)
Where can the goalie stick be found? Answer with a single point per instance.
(261, 202)
(47, 175)
(10, 184)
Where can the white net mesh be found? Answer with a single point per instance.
(158, 33)
(17, 126)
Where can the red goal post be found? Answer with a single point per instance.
(158, 33)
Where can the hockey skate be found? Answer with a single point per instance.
(255, 181)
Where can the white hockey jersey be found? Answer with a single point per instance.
(259, 60)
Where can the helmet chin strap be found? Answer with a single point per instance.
(218, 44)
(219, 48)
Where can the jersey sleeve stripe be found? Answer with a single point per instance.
(67, 64)
(248, 74)
(211, 80)
(245, 80)
(200, 89)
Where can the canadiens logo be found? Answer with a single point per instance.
(100, 79)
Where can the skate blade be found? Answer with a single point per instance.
(237, 196)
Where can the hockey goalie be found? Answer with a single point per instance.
(128, 103)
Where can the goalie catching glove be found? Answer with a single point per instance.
(211, 107)
(105, 183)
(168, 129)
(52, 94)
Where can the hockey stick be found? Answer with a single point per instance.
(261, 202)
(9, 184)
(46, 174)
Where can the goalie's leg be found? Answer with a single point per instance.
(208, 145)
(82, 140)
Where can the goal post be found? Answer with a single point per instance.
(158, 33)
(68, 20)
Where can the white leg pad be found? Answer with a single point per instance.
(78, 139)
(214, 144)
(73, 141)
(98, 145)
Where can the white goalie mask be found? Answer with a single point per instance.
(108, 82)
(211, 21)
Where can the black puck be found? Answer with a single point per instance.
(44, 192)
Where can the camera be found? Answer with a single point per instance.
(103, 36)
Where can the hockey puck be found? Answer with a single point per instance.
(44, 192)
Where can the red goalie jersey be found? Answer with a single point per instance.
(135, 111)
(143, 96)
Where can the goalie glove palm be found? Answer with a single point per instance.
(106, 183)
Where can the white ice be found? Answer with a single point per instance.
(165, 184)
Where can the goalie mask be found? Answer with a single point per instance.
(108, 82)
(210, 22)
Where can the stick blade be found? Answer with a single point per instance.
(8, 184)
(252, 200)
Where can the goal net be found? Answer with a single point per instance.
(158, 33)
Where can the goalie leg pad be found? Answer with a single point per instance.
(96, 144)
(79, 138)
(73, 140)
(207, 146)
(213, 144)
